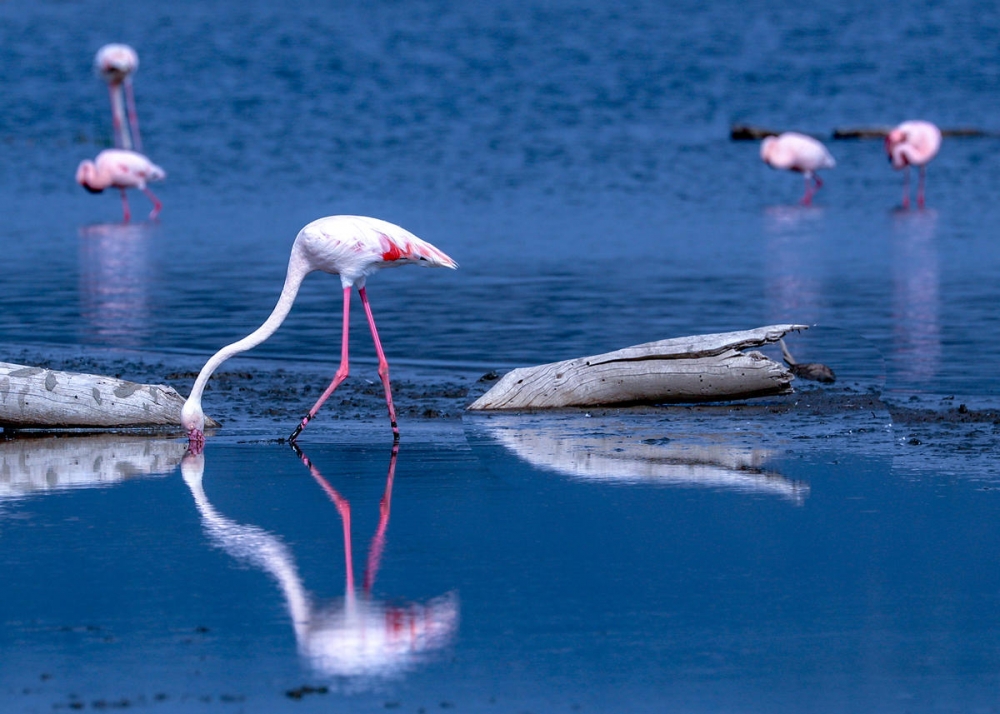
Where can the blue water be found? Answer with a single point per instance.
(576, 161)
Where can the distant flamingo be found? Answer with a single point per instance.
(115, 63)
(352, 247)
(121, 169)
(916, 143)
(798, 152)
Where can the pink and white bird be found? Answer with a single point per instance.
(913, 143)
(353, 247)
(115, 64)
(121, 169)
(797, 152)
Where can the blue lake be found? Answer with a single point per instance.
(575, 159)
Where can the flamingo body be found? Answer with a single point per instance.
(792, 151)
(353, 247)
(913, 143)
(121, 169)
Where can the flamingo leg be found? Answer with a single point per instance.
(383, 364)
(133, 118)
(125, 209)
(810, 190)
(920, 186)
(378, 541)
(341, 373)
(343, 508)
(157, 205)
(906, 188)
(122, 140)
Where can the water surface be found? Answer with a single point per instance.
(826, 553)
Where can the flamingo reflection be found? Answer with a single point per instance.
(357, 638)
(915, 298)
(114, 283)
(793, 285)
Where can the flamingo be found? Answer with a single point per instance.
(352, 247)
(916, 143)
(115, 64)
(121, 169)
(798, 152)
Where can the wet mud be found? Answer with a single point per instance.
(260, 394)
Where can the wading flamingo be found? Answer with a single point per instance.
(913, 143)
(352, 247)
(121, 169)
(798, 152)
(115, 64)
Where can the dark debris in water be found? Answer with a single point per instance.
(305, 690)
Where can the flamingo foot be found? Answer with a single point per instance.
(196, 442)
(298, 430)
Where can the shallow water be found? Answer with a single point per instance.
(575, 160)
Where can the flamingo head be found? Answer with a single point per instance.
(193, 421)
(766, 149)
(892, 140)
(115, 62)
(86, 176)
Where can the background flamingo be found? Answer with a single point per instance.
(916, 143)
(352, 247)
(121, 169)
(798, 152)
(116, 63)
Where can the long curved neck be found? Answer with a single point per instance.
(298, 268)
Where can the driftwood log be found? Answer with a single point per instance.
(684, 369)
(36, 398)
(749, 132)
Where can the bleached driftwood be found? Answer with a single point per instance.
(683, 369)
(36, 398)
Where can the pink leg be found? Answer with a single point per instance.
(133, 118)
(920, 186)
(807, 196)
(128, 214)
(117, 115)
(906, 188)
(342, 371)
(378, 541)
(156, 203)
(343, 508)
(383, 365)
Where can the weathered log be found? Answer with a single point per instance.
(683, 369)
(37, 398)
(880, 132)
(747, 132)
(43, 465)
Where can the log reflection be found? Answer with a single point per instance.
(614, 453)
(33, 465)
(357, 638)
